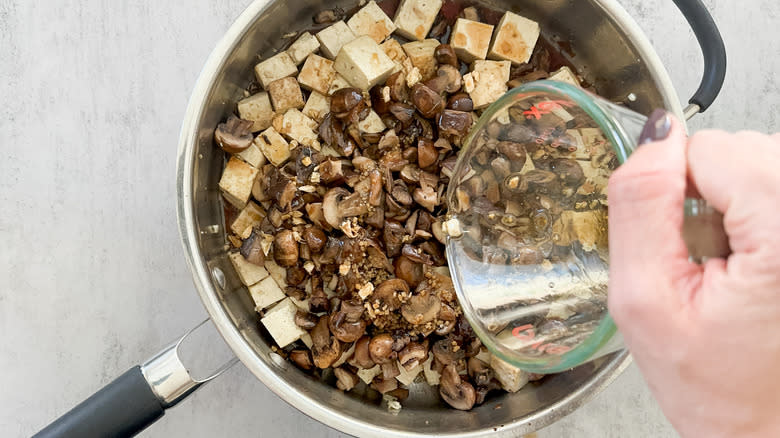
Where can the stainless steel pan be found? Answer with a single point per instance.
(612, 52)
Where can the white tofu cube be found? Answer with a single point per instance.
(280, 323)
(471, 39)
(515, 39)
(307, 341)
(317, 107)
(367, 375)
(257, 108)
(334, 37)
(371, 21)
(407, 377)
(421, 55)
(372, 124)
(317, 74)
(274, 146)
(394, 51)
(338, 83)
(285, 94)
(487, 82)
(253, 156)
(431, 376)
(296, 126)
(363, 63)
(250, 216)
(248, 273)
(512, 379)
(305, 45)
(278, 273)
(236, 182)
(274, 68)
(564, 74)
(414, 18)
(265, 293)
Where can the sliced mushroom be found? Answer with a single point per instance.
(460, 102)
(454, 123)
(380, 349)
(285, 248)
(325, 348)
(346, 324)
(252, 248)
(362, 358)
(445, 55)
(387, 296)
(427, 154)
(569, 171)
(455, 391)
(479, 371)
(397, 84)
(447, 80)
(427, 101)
(345, 100)
(305, 320)
(295, 275)
(393, 237)
(338, 204)
(412, 355)
(447, 351)
(403, 112)
(302, 358)
(318, 302)
(384, 385)
(409, 271)
(390, 370)
(346, 380)
(315, 238)
(421, 309)
(235, 135)
(331, 172)
(427, 197)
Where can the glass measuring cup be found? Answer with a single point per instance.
(527, 229)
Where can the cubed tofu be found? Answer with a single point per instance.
(286, 94)
(363, 63)
(334, 37)
(414, 18)
(236, 182)
(367, 375)
(394, 51)
(265, 293)
(248, 273)
(421, 55)
(249, 217)
(257, 108)
(317, 106)
(338, 83)
(317, 74)
(372, 124)
(471, 39)
(274, 68)
(487, 82)
(305, 45)
(280, 323)
(515, 39)
(296, 126)
(564, 74)
(278, 273)
(407, 377)
(307, 341)
(274, 146)
(371, 21)
(512, 379)
(252, 155)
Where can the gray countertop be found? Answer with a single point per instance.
(93, 279)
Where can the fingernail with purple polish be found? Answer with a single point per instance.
(657, 128)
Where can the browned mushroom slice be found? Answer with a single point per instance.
(387, 296)
(454, 123)
(403, 112)
(568, 170)
(346, 380)
(408, 271)
(305, 320)
(325, 348)
(447, 351)
(421, 309)
(285, 248)
(302, 359)
(460, 102)
(380, 349)
(384, 385)
(398, 89)
(331, 172)
(427, 101)
(361, 357)
(427, 197)
(338, 204)
(445, 55)
(412, 355)
(393, 237)
(345, 100)
(315, 238)
(390, 370)
(479, 371)
(295, 275)
(393, 160)
(318, 302)
(376, 218)
(235, 135)
(427, 154)
(252, 248)
(455, 391)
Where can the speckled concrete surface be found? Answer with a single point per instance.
(92, 277)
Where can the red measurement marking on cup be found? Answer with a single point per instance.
(546, 107)
(526, 333)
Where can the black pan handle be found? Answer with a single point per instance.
(712, 48)
(122, 408)
(135, 400)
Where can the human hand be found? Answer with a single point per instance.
(706, 337)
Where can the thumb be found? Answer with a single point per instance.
(648, 256)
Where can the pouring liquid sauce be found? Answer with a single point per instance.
(528, 227)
